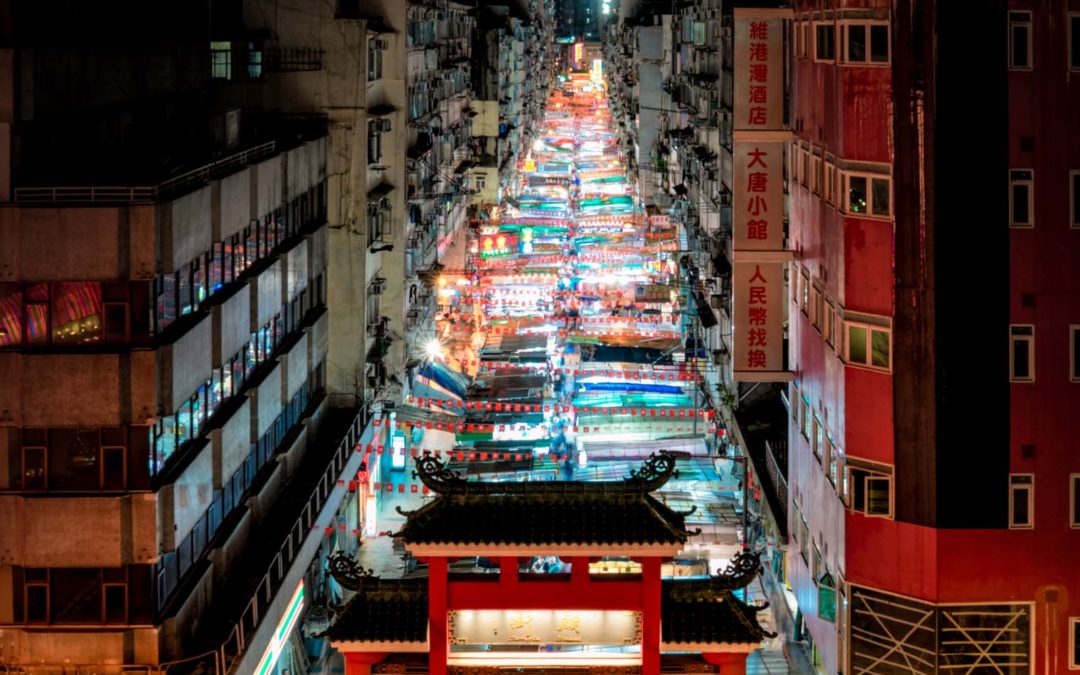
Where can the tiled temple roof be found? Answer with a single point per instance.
(545, 513)
(693, 612)
(706, 611)
(382, 610)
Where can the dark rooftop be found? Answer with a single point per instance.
(692, 611)
(382, 610)
(545, 513)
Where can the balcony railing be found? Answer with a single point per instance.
(776, 457)
(294, 59)
(144, 194)
(249, 620)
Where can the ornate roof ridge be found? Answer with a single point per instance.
(361, 580)
(740, 572)
(653, 474)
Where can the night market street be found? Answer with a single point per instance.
(560, 354)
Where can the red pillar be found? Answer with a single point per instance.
(438, 639)
(508, 570)
(729, 663)
(579, 571)
(650, 616)
(359, 663)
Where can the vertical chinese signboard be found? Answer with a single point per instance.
(758, 196)
(759, 318)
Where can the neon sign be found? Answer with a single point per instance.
(281, 634)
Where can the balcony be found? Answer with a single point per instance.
(293, 59)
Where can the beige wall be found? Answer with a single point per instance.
(296, 278)
(232, 443)
(232, 321)
(297, 366)
(268, 401)
(186, 364)
(269, 177)
(268, 290)
(60, 389)
(185, 501)
(186, 219)
(44, 244)
(235, 203)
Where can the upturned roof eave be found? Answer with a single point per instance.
(450, 549)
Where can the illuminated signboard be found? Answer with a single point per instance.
(517, 628)
(502, 243)
(293, 610)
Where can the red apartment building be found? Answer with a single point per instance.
(934, 177)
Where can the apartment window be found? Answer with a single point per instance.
(35, 596)
(816, 303)
(1020, 40)
(1074, 194)
(830, 324)
(1022, 353)
(819, 438)
(375, 55)
(832, 461)
(374, 137)
(868, 194)
(378, 224)
(1021, 500)
(479, 181)
(830, 182)
(868, 345)
(805, 287)
(824, 42)
(866, 43)
(807, 419)
(1074, 353)
(806, 39)
(1074, 643)
(817, 564)
(815, 175)
(1021, 198)
(1074, 500)
(1074, 41)
(221, 60)
(804, 540)
(871, 492)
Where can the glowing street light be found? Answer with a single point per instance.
(433, 349)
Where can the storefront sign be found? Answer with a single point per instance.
(280, 638)
(759, 74)
(543, 627)
(758, 332)
(498, 244)
(758, 210)
(654, 293)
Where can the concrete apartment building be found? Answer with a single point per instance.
(513, 50)
(220, 227)
(165, 330)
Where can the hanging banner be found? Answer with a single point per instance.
(759, 69)
(758, 332)
(758, 209)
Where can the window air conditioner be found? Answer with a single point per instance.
(382, 44)
(383, 124)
